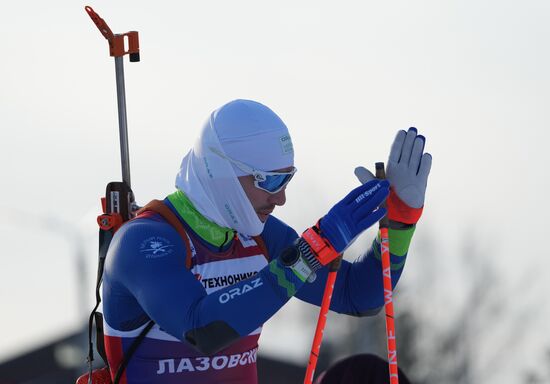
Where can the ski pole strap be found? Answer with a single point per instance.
(401, 212)
(322, 249)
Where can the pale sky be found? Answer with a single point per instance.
(472, 76)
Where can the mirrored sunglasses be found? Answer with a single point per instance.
(271, 182)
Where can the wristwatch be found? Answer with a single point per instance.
(293, 258)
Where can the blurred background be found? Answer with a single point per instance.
(345, 75)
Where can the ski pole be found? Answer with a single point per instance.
(388, 291)
(117, 50)
(322, 320)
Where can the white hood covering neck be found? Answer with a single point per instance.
(243, 130)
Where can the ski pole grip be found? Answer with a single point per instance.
(335, 264)
(380, 173)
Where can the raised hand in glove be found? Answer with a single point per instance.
(335, 231)
(407, 171)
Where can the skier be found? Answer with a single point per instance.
(210, 285)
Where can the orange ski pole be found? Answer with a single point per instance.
(388, 290)
(322, 320)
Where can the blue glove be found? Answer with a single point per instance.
(354, 214)
(325, 241)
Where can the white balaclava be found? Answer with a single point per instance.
(243, 130)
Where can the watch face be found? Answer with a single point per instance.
(289, 255)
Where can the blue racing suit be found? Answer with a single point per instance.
(208, 318)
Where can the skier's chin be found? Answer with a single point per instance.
(263, 217)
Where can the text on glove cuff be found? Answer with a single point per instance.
(323, 250)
